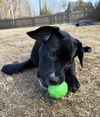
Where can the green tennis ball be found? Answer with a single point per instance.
(58, 91)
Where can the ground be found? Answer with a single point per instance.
(20, 95)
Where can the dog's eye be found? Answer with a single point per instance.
(52, 54)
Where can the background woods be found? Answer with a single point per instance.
(22, 13)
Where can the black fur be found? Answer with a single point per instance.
(53, 53)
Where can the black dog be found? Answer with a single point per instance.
(53, 53)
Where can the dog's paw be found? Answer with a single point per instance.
(6, 69)
(73, 84)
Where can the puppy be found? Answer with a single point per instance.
(53, 53)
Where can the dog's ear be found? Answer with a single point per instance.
(43, 33)
(79, 51)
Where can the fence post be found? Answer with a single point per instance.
(51, 19)
(68, 15)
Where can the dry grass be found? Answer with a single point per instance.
(20, 95)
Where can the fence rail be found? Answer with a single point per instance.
(42, 20)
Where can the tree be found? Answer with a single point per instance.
(64, 4)
(97, 11)
(40, 6)
(80, 5)
(45, 10)
(1, 1)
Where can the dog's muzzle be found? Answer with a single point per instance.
(52, 79)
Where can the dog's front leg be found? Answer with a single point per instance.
(70, 78)
(10, 69)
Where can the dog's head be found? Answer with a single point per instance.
(57, 51)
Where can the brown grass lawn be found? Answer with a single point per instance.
(20, 96)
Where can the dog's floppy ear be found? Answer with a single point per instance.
(43, 33)
(79, 51)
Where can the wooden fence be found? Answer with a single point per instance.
(41, 20)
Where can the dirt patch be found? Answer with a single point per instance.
(20, 95)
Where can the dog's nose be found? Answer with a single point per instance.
(54, 80)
